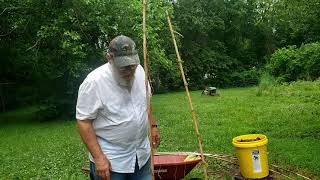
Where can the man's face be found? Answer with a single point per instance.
(124, 75)
(127, 72)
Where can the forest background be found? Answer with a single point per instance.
(48, 47)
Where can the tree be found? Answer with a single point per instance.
(217, 43)
(49, 47)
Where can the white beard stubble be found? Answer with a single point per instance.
(120, 79)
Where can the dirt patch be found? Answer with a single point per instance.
(249, 140)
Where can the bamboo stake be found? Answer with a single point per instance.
(145, 57)
(189, 97)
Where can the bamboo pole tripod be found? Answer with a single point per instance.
(145, 58)
(193, 115)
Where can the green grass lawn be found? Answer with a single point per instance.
(289, 117)
(41, 150)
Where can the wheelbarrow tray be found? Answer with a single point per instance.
(171, 166)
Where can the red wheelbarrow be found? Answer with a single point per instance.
(173, 166)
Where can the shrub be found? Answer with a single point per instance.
(291, 64)
(309, 55)
(245, 78)
(281, 63)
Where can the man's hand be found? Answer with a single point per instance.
(155, 137)
(89, 137)
(103, 168)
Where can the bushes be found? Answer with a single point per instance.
(291, 63)
(310, 56)
(227, 79)
(245, 78)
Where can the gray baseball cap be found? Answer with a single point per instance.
(124, 51)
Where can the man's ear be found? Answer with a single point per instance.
(109, 57)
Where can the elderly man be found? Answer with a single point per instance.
(112, 116)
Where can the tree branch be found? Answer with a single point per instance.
(9, 8)
(35, 44)
(2, 35)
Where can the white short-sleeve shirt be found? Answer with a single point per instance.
(119, 117)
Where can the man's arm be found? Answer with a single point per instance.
(89, 137)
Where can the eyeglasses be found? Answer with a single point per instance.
(128, 68)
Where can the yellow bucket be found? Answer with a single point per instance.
(252, 155)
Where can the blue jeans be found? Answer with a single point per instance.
(139, 174)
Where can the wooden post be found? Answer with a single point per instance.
(145, 57)
(189, 97)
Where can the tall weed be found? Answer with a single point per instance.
(308, 91)
(267, 85)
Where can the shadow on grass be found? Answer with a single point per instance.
(21, 115)
(25, 115)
